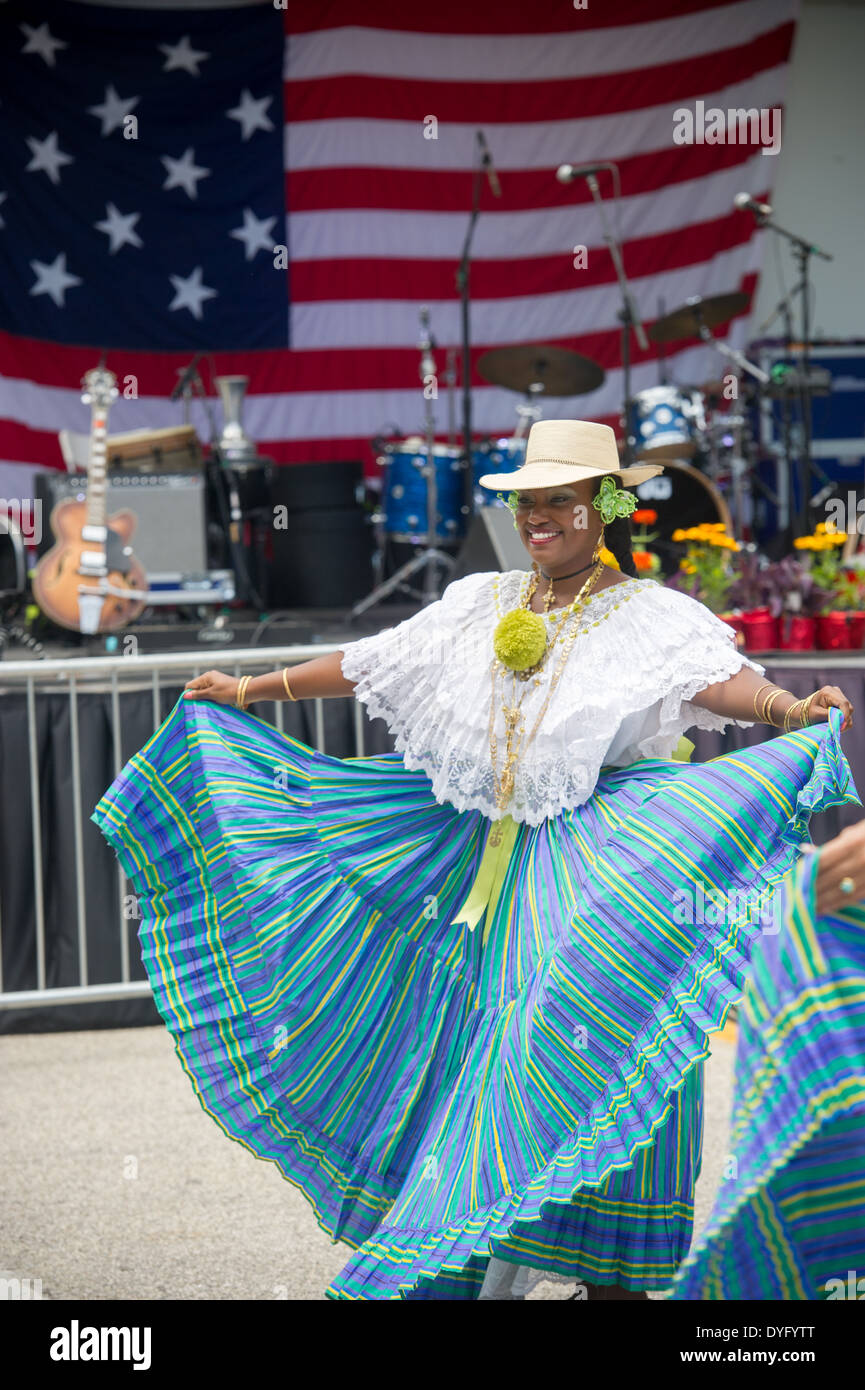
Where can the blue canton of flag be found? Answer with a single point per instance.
(142, 185)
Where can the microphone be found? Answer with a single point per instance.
(746, 203)
(566, 173)
(487, 164)
(185, 377)
(426, 345)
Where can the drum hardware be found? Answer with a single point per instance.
(241, 483)
(425, 462)
(481, 167)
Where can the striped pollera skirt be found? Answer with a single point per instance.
(439, 1099)
(789, 1219)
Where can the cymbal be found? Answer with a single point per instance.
(685, 321)
(534, 369)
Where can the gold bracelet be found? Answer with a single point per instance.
(286, 684)
(240, 696)
(776, 690)
(767, 708)
(767, 685)
(806, 710)
(788, 728)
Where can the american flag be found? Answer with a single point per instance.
(284, 186)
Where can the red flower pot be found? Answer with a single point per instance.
(856, 630)
(798, 633)
(833, 633)
(762, 631)
(734, 621)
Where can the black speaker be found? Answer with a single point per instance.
(303, 487)
(492, 543)
(321, 559)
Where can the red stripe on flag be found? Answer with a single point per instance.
(694, 244)
(557, 99)
(507, 17)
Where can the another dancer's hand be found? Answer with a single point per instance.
(826, 698)
(840, 859)
(215, 686)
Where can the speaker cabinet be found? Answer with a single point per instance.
(492, 543)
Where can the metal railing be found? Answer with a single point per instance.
(119, 674)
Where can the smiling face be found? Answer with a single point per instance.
(558, 525)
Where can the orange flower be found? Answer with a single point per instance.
(644, 516)
(643, 560)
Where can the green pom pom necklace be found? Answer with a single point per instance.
(520, 637)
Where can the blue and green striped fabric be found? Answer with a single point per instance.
(789, 1221)
(436, 1099)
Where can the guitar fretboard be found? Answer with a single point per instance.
(96, 510)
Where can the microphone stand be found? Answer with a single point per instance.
(803, 251)
(462, 281)
(628, 315)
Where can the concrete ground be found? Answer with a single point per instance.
(116, 1185)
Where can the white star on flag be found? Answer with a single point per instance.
(189, 293)
(181, 55)
(3, 197)
(54, 279)
(256, 233)
(119, 227)
(251, 113)
(41, 41)
(47, 157)
(113, 109)
(184, 172)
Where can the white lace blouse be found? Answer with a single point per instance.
(641, 653)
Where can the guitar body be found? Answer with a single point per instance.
(57, 581)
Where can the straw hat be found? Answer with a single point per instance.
(567, 451)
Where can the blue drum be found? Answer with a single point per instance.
(496, 456)
(404, 494)
(667, 422)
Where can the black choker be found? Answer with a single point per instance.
(560, 577)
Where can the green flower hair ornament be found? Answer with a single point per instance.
(612, 501)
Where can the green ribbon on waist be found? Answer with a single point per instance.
(483, 896)
(484, 893)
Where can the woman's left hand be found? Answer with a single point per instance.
(826, 698)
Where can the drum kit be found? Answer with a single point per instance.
(704, 448)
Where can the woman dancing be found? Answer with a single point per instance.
(460, 993)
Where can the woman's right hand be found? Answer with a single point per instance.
(843, 857)
(213, 685)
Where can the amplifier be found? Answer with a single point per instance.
(171, 534)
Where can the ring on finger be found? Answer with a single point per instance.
(847, 885)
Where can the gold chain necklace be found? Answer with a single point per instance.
(515, 741)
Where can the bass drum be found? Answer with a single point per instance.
(682, 497)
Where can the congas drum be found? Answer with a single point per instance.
(667, 422)
(404, 493)
(682, 497)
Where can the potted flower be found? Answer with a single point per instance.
(755, 593)
(850, 600)
(648, 564)
(704, 572)
(823, 548)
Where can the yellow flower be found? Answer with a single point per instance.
(609, 559)
(519, 639)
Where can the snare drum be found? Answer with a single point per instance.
(404, 494)
(667, 422)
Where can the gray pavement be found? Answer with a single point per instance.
(116, 1184)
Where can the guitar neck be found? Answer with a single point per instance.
(96, 474)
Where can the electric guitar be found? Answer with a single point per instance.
(81, 582)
